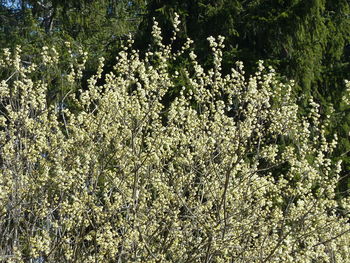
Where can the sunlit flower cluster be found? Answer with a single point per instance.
(228, 172)
(346, 97)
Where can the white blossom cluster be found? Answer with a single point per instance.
(227, 173)
(346, 97)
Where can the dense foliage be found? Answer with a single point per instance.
(308, 41)
(96, 27)
(119, 177)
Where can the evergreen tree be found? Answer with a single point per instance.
(301, 38)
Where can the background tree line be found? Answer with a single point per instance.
(308, 41)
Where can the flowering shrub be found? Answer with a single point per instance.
(207, 179)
